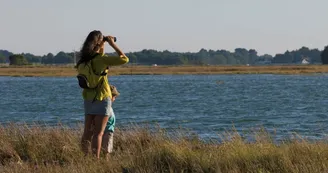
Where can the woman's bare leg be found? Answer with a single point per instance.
(87, 133)
(100, 124)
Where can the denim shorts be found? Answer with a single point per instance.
(98, 107)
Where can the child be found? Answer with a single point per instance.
(107, 141)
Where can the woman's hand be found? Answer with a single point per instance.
(111, 40)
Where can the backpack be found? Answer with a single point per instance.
(87, 77)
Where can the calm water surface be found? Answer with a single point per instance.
(205, 104)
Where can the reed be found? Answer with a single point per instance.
(38, 71)
(56, 149)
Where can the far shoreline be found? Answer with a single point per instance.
(70, 71)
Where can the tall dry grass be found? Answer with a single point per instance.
(30, 71)
(40, 149)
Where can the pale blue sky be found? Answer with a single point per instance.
(42, 26)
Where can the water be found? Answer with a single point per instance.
(205, 104)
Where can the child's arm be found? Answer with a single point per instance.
(114, 121)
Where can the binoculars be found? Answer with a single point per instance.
(106, 39)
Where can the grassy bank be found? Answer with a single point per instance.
(150, 70)
(24, 149)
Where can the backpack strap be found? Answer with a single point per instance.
(101, 74)
(104, 73)
(94, 99)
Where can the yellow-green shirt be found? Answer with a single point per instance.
(99, 64)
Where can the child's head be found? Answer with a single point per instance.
(115, 93)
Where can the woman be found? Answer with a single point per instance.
(97, 101)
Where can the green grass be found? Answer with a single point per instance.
(45, 149)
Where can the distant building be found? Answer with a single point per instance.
(305, 60)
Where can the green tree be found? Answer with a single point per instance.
(17, 60)
(32, 58)
(219, 59)
(203, 56)
(5, 53)
(48, 59)
(287, 57)
(253, 57)
(324, 56)
(63, 58)
(2, 58)
(241, 55)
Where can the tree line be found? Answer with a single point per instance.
(202, 57)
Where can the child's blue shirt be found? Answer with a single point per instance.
(111, 122)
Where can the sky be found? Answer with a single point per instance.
(268, 26)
